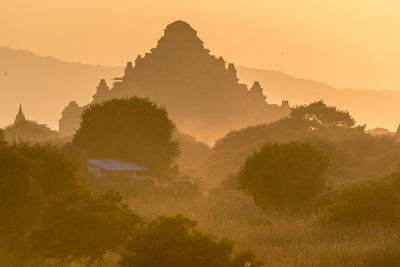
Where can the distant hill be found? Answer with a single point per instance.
(372, 107)
(44, 85)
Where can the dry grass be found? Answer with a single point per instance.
(279, 238)
(282, 238)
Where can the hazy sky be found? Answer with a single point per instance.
(347, 43)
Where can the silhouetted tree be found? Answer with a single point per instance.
(322, 116)
(20, 195)
(174, 242)
(76, 225)
(283, 173)
(133, 129)
(58, 173)
(374, 200)
(2, 137)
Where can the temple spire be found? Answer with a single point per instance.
(20, 116)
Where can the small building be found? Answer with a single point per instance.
(105, 167)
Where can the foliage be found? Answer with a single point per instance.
(133, 129)
(79, 157)
(2, 136)
(20, 195)
(29, 131)
(185, 188)
(354, 153)
(75, 225)
(194, 155)
(174, 242)
(58, 173)
(374, 200)
(283, 173)
(319, 115)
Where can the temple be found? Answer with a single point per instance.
(20, 117)
(201, 92)
(27, 130)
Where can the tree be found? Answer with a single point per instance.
(2, 137)
(283, 173)
(58, 173)
(77, 224)
(20, 195)
(174, 242)
(133, 129)
(322, 116)
(369, 201)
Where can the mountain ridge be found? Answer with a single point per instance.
(81, 87)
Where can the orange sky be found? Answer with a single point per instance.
(347, 43)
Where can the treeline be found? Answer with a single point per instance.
(355, 154)
(49, 214)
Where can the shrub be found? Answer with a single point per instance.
(76, 225)
(365, 202)
(174, 242)
(283, 173)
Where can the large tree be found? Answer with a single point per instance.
(20, 195)
(2, 137)
(133, 129)
(280, 174)
(29, 176)
(78, 224)
(58, 172)
(174, 242)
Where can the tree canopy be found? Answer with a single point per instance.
(77, 224)
(20, 195)
(133, 129)
(354, 153)
(283, 173)
(322, 116)
(174, 242)
(2, 137)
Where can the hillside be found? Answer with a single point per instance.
(43, 85)
(372, 107)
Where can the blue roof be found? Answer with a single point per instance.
(116, 165)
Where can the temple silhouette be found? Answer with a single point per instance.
(27, 130)
(202, 93)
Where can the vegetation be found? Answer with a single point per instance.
(283, 173)
(29, 175)
(174, 242)
(2, 136)
(133, 129)
(20, 195)
(354, 154)
(374, 200)
(66, 217)
(30, 131)
(282, 238)
(74, 225)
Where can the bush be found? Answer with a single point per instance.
(280, 174)
(365, 202)
(21, 198)
(76, 225)
(174, 242)
(185, 188)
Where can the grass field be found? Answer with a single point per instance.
(283, 238)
